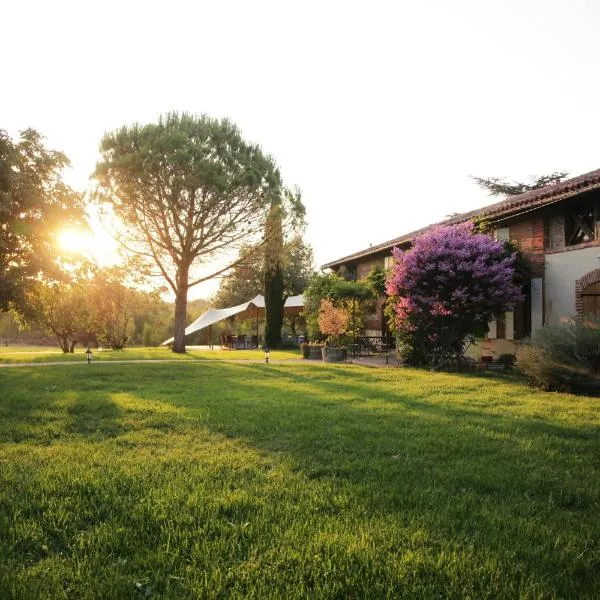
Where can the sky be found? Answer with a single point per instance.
(379, 111)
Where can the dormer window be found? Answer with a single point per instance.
(580, 224)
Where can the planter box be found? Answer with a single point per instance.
(311, 352)
(333, 355)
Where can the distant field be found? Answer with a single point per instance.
(220, 480)
(19, 354)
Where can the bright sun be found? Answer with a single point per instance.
(75, 240)
(92, 243)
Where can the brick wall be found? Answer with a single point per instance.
(529, 235)
(556, 239)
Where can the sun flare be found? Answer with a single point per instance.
(75, 240)
(89, 244)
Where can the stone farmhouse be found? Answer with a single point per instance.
(557, 227)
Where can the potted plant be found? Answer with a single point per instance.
(333, 321)
(311, 351)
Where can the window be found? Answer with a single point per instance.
(580, 224)
(502, 234)
(347, 272)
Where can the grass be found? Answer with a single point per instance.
(35, 354)
(219, 480)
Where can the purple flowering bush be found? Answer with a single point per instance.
(445, 290)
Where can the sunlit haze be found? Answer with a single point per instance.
(96, 245)
(378, 111)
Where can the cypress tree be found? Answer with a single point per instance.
(274, 294)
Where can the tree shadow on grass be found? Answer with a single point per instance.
(349, 431)
(502, 479)
(496, 411)
(94, 416)
(44, 405)
(507, 486)
(414, 454)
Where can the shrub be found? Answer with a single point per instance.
(533, 362)
(358, 298)
(508, 360)
(445, 289)
(332, 321)
(562, 356)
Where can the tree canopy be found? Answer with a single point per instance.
(246, 279)
(355, 297)
(59, 308)
(93, 304)
(35, 205)
(498, 186)
(191, 191)
(113, 302)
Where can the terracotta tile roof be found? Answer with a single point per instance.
(499, 211)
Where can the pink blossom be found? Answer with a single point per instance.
(451, 275)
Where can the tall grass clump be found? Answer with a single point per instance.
(563, 356)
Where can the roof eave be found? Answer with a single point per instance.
(494, 218)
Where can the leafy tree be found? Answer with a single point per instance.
(35, 205)
(355, 297)
(244, 281)
(190, 190)
(333, 320)
(9, 326)
(298, 266)
(498, 186)
(376, 280)
(320, 287)
(445, 289)
(246, 278)
(61, 309)
(113, 305)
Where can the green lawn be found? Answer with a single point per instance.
(21, 354)
(220, 480)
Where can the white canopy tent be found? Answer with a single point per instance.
(252, 308)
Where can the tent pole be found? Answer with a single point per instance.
(256, 308)
(210, 345)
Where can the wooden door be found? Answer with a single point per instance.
(591, 299)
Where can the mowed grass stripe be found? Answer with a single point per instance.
(291, 481)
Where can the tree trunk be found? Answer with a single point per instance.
(180, 311)
(63, 342)
(72, 346)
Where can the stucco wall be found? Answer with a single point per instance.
(562, 270)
